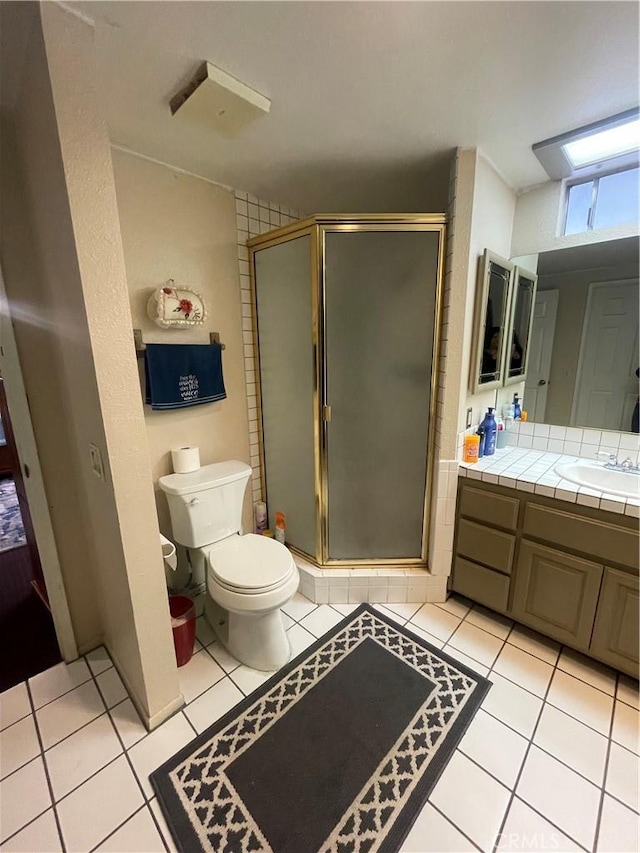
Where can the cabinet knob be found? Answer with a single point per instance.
(542, 381)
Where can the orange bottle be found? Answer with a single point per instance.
(280, 529)
(471, 448)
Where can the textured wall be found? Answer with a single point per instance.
(538, 223)
(177, 226)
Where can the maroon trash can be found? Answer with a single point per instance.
(183, 624)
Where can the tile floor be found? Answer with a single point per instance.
(549, 763)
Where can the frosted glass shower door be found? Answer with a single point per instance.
(380, 294)
(283, 295)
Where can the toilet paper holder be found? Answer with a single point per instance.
(214, 338)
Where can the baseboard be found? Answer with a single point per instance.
(149, 722)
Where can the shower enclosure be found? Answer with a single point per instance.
(347, 326)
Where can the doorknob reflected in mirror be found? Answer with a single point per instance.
(542, 382)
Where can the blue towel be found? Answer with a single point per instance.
(180, 375)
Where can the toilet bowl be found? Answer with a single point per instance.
(249, 577)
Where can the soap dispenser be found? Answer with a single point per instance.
(490, 428)
(517, 408)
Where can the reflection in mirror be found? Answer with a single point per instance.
(524, 290)
(583, 350)
(493, 296)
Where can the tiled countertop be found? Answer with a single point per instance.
(533, 471)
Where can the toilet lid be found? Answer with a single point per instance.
(250, 563)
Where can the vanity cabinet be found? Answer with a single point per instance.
(568, 571)
(615, 634)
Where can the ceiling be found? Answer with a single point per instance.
(592, 256)
(369, 99)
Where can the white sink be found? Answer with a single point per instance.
(592, 475)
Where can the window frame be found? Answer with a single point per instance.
(594, 177)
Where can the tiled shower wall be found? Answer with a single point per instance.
(253, 217)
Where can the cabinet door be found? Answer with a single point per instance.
(556, 593)
(615, 636)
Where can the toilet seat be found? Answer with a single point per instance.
(250, 565)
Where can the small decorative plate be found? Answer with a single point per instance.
(170, 306)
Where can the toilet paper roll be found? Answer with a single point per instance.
(169, 552)
(185, 459)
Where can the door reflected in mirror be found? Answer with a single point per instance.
(583, 348)
(491, 321)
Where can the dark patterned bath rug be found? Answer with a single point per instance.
(337, 752)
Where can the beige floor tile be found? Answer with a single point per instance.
(560, 795)
(476, 643)
(489, 621)
(65, 715)
(23, 795)
(525, 829)
(534, 643)
(223, 656)
(466, 660)
(578, 699)
(480, 811)
(128, 723)
(618, 828)
(622, 775)
(321, 620)
(157, 747)
(213, 704)
(588, 670)
(60, 679)
(138, 835)
(512, 705)
(299, 607)
(162, 823)
(433, 833)
(198, 675)
(111, 686)
(40, 835)
(73, 760)
(573, 743)
(524, 669)
(496, 748)
(626, 726)
(434, 620)
(14, 705)
(457, 605)
(18, 745)
(95, 809)
(627, 691)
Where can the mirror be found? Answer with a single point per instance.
(492, 301)
(583, 344)
(519, 327)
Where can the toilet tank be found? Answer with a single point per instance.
(206, 505)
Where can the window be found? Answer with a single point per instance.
(603, 202)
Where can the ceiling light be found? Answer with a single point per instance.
(613, 143)
(601, 146)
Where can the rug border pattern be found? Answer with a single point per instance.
(424, 744)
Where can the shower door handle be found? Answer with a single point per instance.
(326, 414)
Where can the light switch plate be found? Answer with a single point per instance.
(469, 417)
(96, 461)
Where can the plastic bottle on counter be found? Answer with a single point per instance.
(471, 447)
(280, 527)
(260, 512)
(490, 430)
(480, 433)
(517, 409)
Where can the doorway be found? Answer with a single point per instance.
(27, 632)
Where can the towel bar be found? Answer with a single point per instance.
(214, 338)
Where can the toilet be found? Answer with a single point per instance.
(249, 577)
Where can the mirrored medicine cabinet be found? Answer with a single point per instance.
(505, 297)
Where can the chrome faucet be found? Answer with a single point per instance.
(614, 465)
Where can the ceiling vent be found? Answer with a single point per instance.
(217, 100)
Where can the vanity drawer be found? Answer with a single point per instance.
(483, 505)
(484, 545)
(592, 536)
(479, 584)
